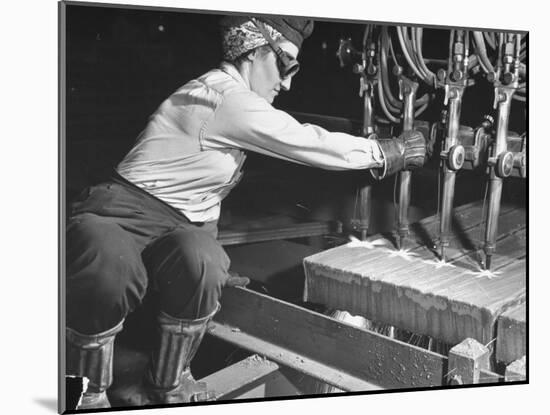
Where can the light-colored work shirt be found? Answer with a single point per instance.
(192, 150)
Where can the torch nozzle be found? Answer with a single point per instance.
(488, 262)
(400, 242)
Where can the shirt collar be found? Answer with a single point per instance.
(231, 70)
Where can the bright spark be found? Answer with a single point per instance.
(485, 273)
(365, 244)
(403, 253)
(439, 263)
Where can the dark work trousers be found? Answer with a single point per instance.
(120, 241)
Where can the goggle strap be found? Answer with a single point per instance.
(280, 53)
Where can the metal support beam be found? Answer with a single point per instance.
(295, 230)
(244, 379)
(335, 352)
(290, 358)
(466, 360)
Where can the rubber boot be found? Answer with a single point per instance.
(169, 378)
(91, 356)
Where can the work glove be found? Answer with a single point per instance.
(406, 152)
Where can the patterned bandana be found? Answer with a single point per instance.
(241, 39)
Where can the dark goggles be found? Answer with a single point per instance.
(286, 63)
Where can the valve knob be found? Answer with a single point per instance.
(347, 53)
(456, 157)
(520, 163)
(488, 121)
(523, 168)
(397, 70)
(371, 69)
(508, 78)
(444, 116)
(357, 68)
(505, 164)
(457, 75)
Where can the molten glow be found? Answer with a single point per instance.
(403, 253)
(365, 244)
(438, 263)
(485, 273)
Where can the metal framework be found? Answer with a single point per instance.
(280, 334)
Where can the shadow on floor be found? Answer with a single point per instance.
(48, 403)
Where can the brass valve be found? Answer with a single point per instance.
(347, 53)
(504, 163)
(455, 157)
(520, 162)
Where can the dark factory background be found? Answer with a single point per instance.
(122, 63)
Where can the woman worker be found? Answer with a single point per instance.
(153, 226)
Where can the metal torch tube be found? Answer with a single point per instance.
(449, 175)
(405, 175)
(365, 193)
(368, 127)
(495, 182)
(365, 201)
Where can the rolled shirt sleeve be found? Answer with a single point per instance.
(245, 120)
